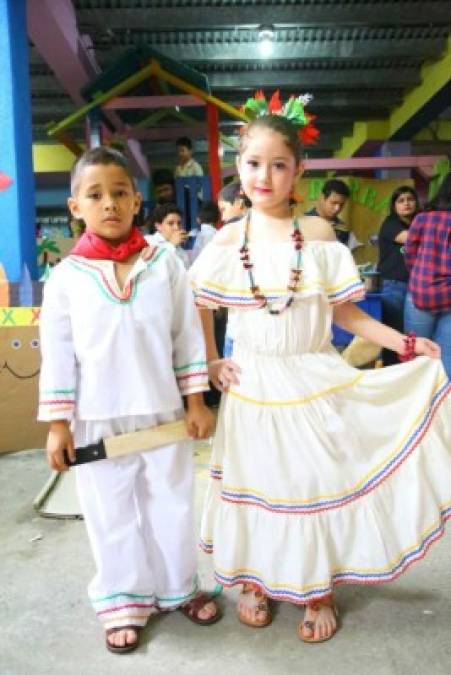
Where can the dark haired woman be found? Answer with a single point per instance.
(392, 267)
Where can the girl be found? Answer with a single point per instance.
(121, 344)
(321, 474)
(392, 268)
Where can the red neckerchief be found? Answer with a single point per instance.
(90, 245)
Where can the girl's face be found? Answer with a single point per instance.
(106, 201)
(267, 169)
(406, 205)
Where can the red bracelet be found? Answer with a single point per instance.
(409, 348)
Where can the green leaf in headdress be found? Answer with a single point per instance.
(255, 107)
(293, 110)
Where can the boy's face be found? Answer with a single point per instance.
(172, 228)
(164, 193)
(184, 154)
(332, 205)
(106, 201)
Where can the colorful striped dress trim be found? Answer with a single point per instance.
(242, 495)
(297, 594)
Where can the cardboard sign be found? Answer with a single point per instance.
(19, 375)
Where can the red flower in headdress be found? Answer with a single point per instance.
(275, 104)
(309, 134)
(259, 95)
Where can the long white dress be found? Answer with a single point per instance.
(321, 474)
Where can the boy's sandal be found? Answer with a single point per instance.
(129, 646)
(310, 625)
(252, 598)
(192, 609)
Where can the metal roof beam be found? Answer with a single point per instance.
(316, 79)
(231, 51)
(198, 16)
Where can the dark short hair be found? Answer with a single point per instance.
(162, 177)
(209, 213)
(232, 192)
(104, 155)
(184, 140)
(160, 213)
(402, 189)
(335, 185)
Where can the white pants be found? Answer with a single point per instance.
(139, 516)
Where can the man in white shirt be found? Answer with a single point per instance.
(187, 165)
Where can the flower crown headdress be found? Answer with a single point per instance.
(293, 110)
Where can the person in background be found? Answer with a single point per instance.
(391, 266)
(428, 258)
(163, 186)
(232, 202)
(166, 229)
(208, 218)
(187, 165)
(331, 202)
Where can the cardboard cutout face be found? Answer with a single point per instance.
(19, 369)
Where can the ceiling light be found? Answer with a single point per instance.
(266, 35)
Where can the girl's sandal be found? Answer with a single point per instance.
(316, 606)
(252, 598)
(192, 610)
(129, 646)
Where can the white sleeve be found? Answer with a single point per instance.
(188, 345)
(343, 283)
(57, 388)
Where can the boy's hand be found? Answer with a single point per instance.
(59, 439)
(425, 347)
(178, 237)
(223, 373)
(200, 421)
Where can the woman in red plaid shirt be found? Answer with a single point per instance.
(428, 257)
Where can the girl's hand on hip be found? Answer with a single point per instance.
(425, 347)
(223, 373)
(59, 439)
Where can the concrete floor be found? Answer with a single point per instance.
(48, 628)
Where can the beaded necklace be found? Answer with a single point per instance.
(278, 306)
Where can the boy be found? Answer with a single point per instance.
(121, 343)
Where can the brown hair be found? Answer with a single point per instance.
(100, 155)
(279, 125)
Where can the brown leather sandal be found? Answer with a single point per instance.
(316, 606)
(129, 646)
(192, 608)
(259, 603)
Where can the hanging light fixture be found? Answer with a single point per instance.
(266, 36)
